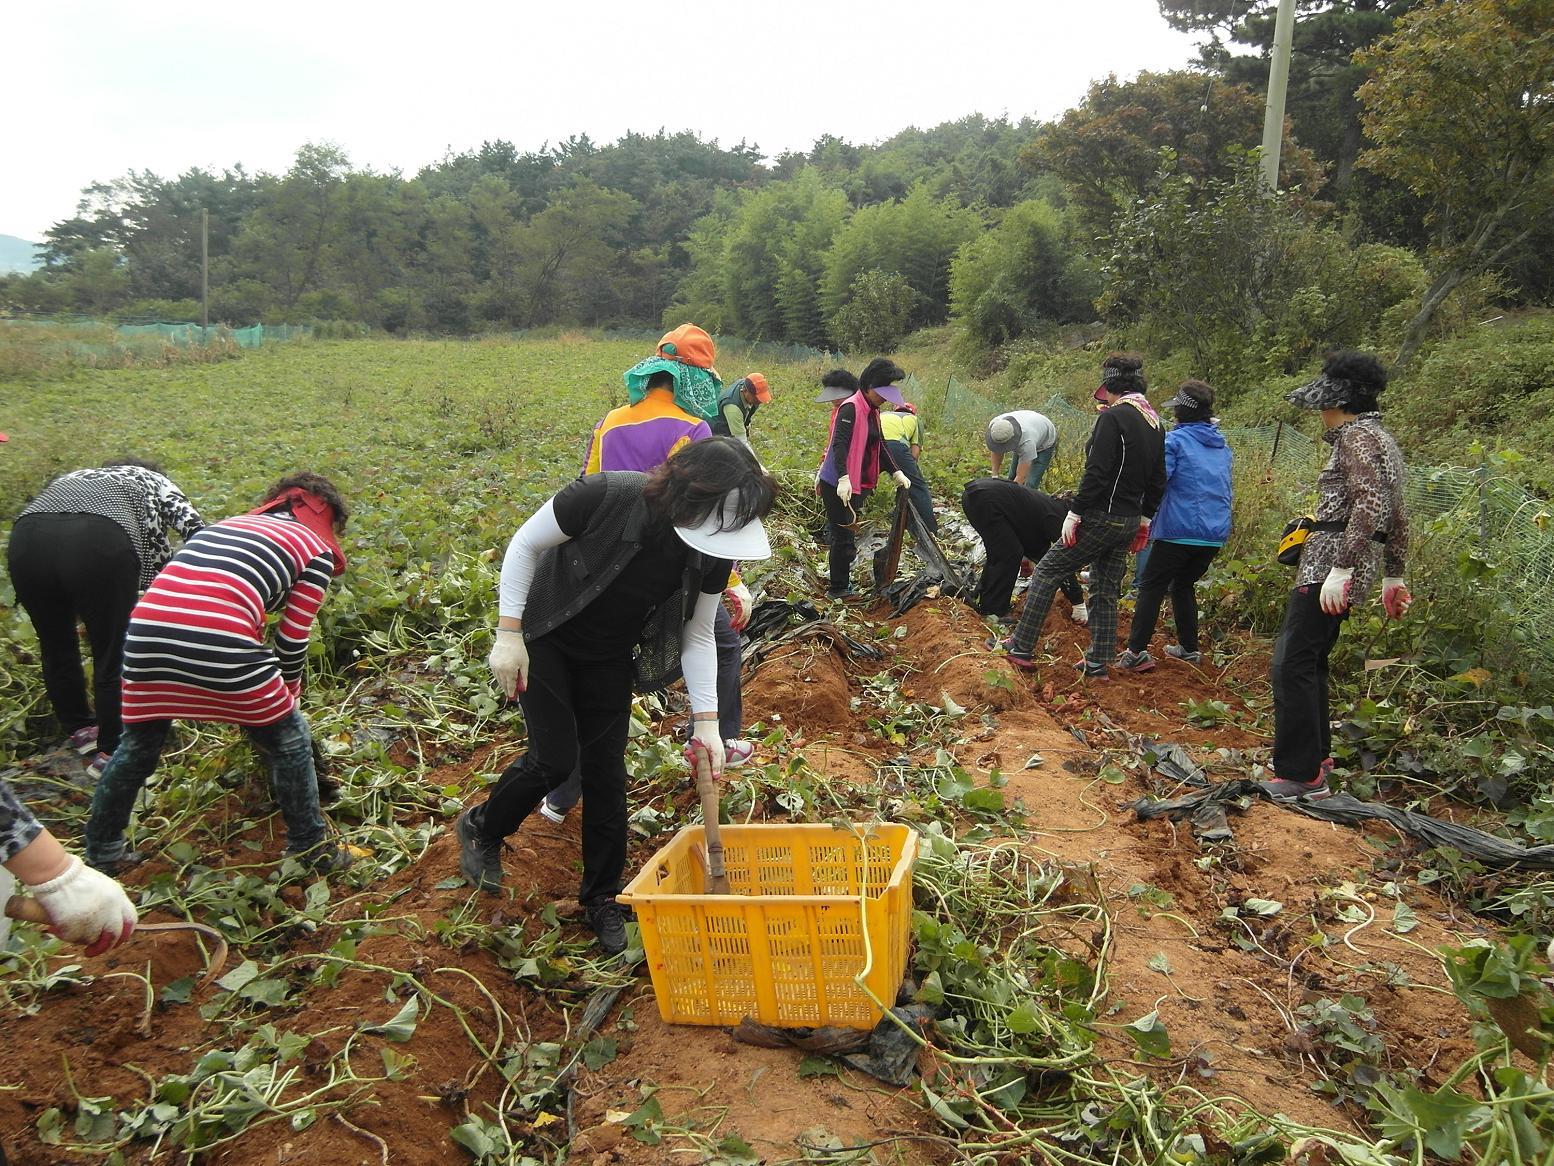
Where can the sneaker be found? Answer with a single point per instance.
(1018, 659)
(1080, 614)
(323, 858)
(1092, 671)
(96, 765)
(849, 593)
(117, 864)
(83, 740)
(1084, 577)
(736, 752)
(1282, 789)
(480, 861)
(550, 813)
(608, 920)
(1131, 661)
(1177, 652)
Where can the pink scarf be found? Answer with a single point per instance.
(1140, 402)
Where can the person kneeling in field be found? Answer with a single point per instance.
(614, 562)
(196, 650)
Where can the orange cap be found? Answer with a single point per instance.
(759, 387)
(690, 345)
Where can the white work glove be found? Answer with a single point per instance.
(1395, 597)
(509, 661)
(901, 480)
(1070, 534)
(1335, 590)
(739, 602)
(844, 489)
(1080, 614)
(708, 733)
(86, 906)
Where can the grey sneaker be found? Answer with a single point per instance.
(552, 813)
(1092, 671)
(480, 861)
(325, 858)
(608, 919)
(1131, 661)
(116, 864)
(1282, 789)
(1177, 652)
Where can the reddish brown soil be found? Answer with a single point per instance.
(1049, 733)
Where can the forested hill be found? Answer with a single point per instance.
(1408, 186)
(17, 254)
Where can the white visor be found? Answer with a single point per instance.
(742, 542)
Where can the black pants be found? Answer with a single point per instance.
(842, 534)
(1173, 566)
(67, 567)
(577, 713)
(1012, 529)
(901, 454)
(1302, 736)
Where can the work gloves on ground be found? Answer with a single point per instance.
(844, 489)
(509, 661)
(739, 602)
(710, 736)
(1335, 590)
(1141, 538)
(1395, 597)
(901, 480)
(86, 906)
(1070, 534)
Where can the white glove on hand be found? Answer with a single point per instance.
(86, 906)
(1395, 597)
(1070, 534)
(1080, 614)
(739, 602)
(901, 480)
(709, 734)
(844, 489)
(509, 662)
(1335, 590)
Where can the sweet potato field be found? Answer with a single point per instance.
(1084, 986)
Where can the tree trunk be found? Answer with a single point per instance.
(1444, 285)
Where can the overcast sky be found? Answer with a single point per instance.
(102, 87)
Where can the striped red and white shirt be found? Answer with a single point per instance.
(196, 645)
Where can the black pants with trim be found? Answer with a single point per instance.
(577, 713)
(1177, 567)
(1302, 735)
(69, 567)
(842, 534)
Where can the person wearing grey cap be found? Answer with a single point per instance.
(1191, 525)
(1028, 439)
(1360, 529)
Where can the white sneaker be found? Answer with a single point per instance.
(1080, 614)
(737, 752)
(550, 813)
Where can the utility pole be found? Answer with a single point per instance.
(1278, 82)
(204, 273)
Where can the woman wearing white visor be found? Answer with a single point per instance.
(610, 586)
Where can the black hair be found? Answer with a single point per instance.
(317, 485)
(692, 484)
(880, 371)
(142, 463)
(1199, 391)
(660, 379)
(840, 378)
(1366, 375)
(1123, 372)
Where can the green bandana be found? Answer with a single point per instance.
(696, 390)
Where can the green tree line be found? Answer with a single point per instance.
(1413, 175)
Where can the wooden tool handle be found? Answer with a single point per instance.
(27, 910)
(707, 790)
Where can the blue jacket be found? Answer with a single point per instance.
(1196, 505)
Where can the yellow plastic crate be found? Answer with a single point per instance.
(785, 946)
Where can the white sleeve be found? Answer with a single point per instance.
(699, 655)
(541, 532)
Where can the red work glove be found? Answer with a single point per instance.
(1141, 538)
(1070, 534)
